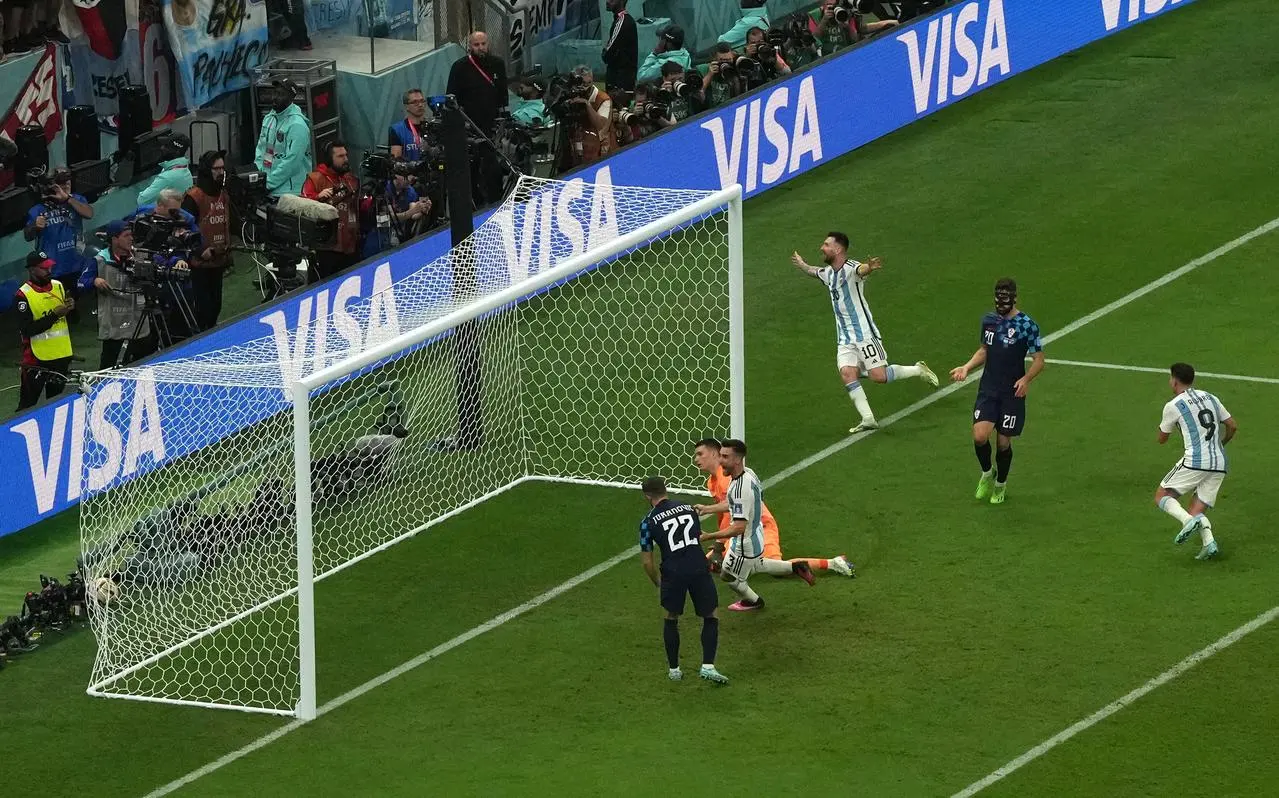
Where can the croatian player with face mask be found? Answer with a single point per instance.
(1008, 337)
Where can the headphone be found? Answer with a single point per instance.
(329, 147)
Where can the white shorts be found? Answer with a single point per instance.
(1204, 484)
(863, 355)
(739, 566)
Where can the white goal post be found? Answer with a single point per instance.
(584, 333)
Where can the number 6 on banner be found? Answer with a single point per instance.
(157, 66)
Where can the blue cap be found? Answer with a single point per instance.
(115, 228)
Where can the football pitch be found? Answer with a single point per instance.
(1060, 640)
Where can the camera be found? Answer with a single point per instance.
(560, 91)
(678, 88)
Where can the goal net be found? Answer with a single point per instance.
(583, 333)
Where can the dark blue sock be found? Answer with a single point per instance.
(983, 455)
(710, 640)
(1004, 460)
(670, 633)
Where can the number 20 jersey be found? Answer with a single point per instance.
(1199, 415)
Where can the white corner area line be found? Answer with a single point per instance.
(511, 614)
(1152, 370)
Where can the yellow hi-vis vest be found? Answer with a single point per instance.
(54, 342)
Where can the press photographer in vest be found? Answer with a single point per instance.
(42, 305)
(207, 201)
(591, 138)
(123, 328)
(405, 136)
(56, 224)
(333, 184)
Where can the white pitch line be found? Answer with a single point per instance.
(1164, 370)
(1118, 704)
(537, 601)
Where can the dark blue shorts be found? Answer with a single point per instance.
(1005, 410)
(699, 585)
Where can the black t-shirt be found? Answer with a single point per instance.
(479, 83)
(675, 529)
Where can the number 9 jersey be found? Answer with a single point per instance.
(1199, 414)
(676, 530)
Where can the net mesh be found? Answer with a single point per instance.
(189, 525)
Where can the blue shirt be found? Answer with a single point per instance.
(379, 239)
(408, 137)
(61, 236)
(1008, 342)
(675, 529)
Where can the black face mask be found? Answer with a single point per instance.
(1005, 301)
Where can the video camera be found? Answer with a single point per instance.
(286, 237)
(560, 91)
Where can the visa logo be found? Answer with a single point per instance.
(948, 63)
(773, 147)
(1112, 10)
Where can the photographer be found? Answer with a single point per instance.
(395, 215)
(766, 53)
(405, 136)
(722, 81)
(837, 24)
(677, 93)
(42, 306)
(591, 136)
(121, 320)
(175, 171)
(669, 49)
(58, 224)
(753, 14)
(209, 205)
(634, 122)
(332, 183)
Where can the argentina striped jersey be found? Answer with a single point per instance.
(1199, 414)
(853, 321)
(746, 503)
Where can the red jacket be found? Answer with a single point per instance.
(346, 199)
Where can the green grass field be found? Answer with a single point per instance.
(973, 633)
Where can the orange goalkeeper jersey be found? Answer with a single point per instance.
(718, 484)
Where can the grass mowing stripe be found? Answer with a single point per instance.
(509, 615)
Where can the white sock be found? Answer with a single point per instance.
(1172, 507)
(776, 567)
(903, 372)
(1205, 533)
(706, 667)
(743, 590)
(858, 396)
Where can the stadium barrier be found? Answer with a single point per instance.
(761, 140)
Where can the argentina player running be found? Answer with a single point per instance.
(859, 346)
(1008, 338)
(1206, 427)
(675, 529)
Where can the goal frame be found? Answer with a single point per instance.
(727, 200)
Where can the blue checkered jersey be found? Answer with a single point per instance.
(1008, 342)
(1199, 414)
(675, 529)
(854, 323)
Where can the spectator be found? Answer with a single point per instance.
(529, 109)
(401, 201)
(123, 328)
(753, 15)
(175, 170)
(679, 92)
(29, 24)
(332, 183)
(478, 80)
(208, 204)
(592, 137)
(42, 306)
(621, 51)
(405, 136)
(295, 16)
(669, 49)
(167, 206)
(284, 145)
(824, 24)
(58, 224)
(722, 81)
